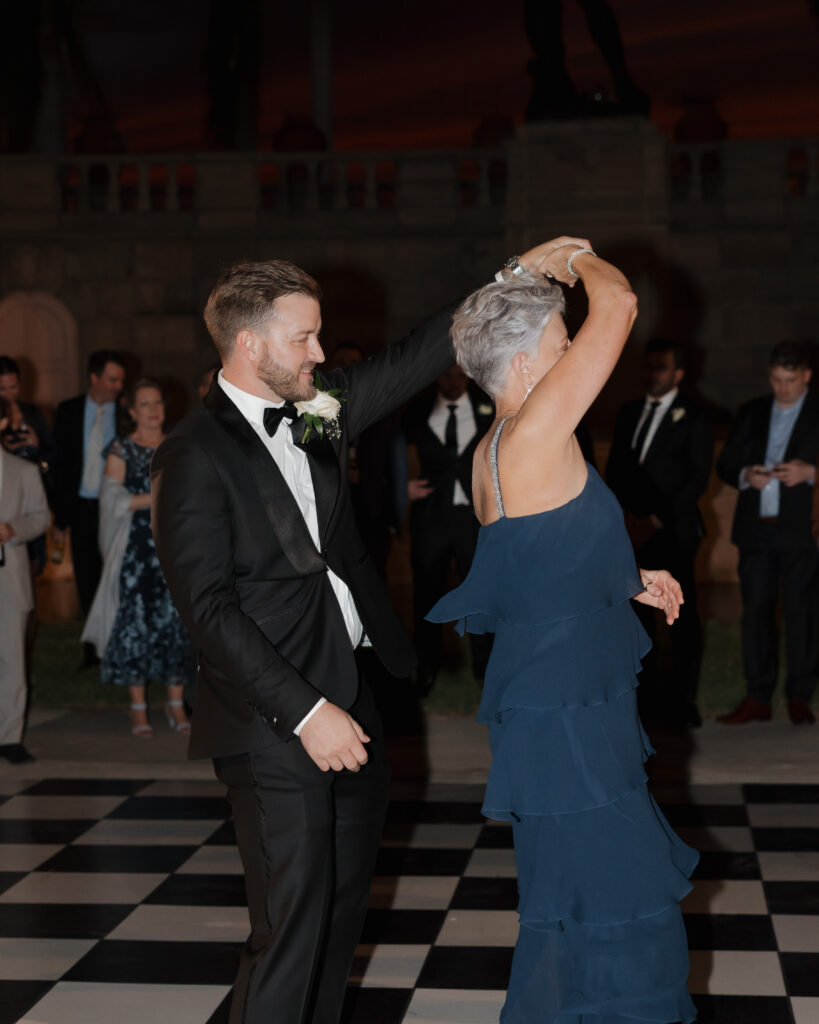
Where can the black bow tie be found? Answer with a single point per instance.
(274, 416)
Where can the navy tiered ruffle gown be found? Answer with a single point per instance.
(600, 871)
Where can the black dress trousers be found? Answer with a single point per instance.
(308, 841)
(769, 569)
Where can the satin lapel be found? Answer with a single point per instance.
(324, 470)
(282, 511)
(761, 429)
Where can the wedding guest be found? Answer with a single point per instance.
(84, 427)
(770, 457)
(658, 468)
(23, 515)
(445, 427)
(133, 623)
(27, 436)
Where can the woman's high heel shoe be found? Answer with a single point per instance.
(142, 730)
(183, 727)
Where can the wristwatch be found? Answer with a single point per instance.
(511, 268)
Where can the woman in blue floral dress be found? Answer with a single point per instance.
(147, 639)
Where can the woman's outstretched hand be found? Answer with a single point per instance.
(661, 591)
(547, 258)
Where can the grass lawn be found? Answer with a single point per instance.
(57, 653)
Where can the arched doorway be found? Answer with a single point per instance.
(40, 333)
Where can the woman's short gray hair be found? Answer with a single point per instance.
(499, 320)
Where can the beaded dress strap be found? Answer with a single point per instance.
(493, 462)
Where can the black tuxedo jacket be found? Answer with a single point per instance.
(69, 438)
(241, 566)
(674, 473)
(746, 446)
(439, 465)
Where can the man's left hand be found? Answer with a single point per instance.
(6, 532)
(797, 471)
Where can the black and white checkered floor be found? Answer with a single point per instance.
(122, 901)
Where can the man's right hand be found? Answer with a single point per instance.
(418, 488)
(334, 740)
(757, 476)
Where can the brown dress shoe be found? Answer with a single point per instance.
(800, 713)
(749, 710)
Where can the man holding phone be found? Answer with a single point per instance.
(771, 457)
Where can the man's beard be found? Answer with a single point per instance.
(292, 387)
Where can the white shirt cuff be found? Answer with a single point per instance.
(743, 484)
(499, 277)
(309, 715)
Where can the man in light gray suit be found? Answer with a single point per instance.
(23, 515)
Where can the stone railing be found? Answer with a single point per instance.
(289, 183)
(743, 170)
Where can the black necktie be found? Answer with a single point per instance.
(274, 416)
(641, 437)
(451, 432)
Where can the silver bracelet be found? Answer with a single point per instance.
(571, 258)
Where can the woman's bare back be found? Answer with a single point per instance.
(533, 478)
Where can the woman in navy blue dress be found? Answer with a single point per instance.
(600, 872)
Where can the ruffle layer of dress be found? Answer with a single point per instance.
(588, 531)
(582, 661)
(615, 974)
(607, 865)
(598, 753)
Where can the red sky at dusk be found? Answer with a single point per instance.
(424, 73)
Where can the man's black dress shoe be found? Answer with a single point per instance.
(799, 712)
(15, 753)
(750, 710)
(87, 663)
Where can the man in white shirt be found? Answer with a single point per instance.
(659, 467)
(445, 428)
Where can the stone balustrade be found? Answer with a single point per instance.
(442, 183)
(763, 169)
(293, 183)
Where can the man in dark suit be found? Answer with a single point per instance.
(445, 427)
(255, 531)
(770, 457)
(83, 427)
(658, 468)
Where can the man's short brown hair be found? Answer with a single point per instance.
(245, 294)
(792, 354)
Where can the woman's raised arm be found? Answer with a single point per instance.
(561, 398)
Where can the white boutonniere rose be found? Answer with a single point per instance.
(677, 415)
(485, 409)
(320, 413)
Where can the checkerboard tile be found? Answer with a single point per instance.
(124, 900)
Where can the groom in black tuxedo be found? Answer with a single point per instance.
(255, 532)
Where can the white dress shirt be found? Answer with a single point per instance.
(664, 405)
(465, 426)
(294, 467)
